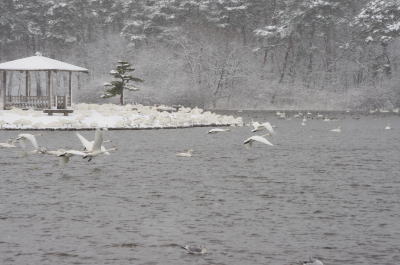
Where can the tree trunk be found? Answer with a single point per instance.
(387, 67)
(308, 78)
(285, 62)
(121, 99)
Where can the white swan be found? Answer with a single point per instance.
(84, 154)
(388, 127)
(23, 137)
(95, 149)
(313, 262)
(188, 153)
(10, 144)
(257, 138)
(89, 145)
(195, 250)
(260, 126)
(61, 154)
(338, 130)
(217, 130)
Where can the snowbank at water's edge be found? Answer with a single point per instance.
(90, 116)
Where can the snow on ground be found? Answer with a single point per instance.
(89, 116)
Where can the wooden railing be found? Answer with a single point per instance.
(61, 102)
(37, 102)
(27, 102)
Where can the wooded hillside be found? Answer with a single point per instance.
(221, 53)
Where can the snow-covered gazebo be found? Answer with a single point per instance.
(38, 63)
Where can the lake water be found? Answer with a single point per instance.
(335, 196)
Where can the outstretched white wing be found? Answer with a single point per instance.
(104, 150)
(31, 138)
(261, 140)
(87, 144)
(268, 126)
(74, 153)
(98, 140)
(248, 141)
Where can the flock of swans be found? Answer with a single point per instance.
(96, 148)
(90, 150)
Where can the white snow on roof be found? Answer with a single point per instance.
(39, 63)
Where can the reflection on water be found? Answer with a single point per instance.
(315, 193)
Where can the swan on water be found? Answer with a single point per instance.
(338, 129)
(281, 115)
(217, 130)
(298, 115)
(257, 138)
(313, 262)
(388, 127)
(195, 250)
(188, 153)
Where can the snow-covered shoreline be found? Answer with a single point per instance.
(114, 117)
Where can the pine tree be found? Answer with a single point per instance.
(121, 81)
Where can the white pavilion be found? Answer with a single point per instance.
(54, 98)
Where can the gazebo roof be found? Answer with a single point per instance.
(40, 63)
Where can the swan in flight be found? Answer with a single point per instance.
(10, 144)
(88, 145)
(93, 149)
(84, 154)
(313, 262)
(261, 126)
(257, 138)
(195, 250)
(23, 137)
(338, 130)
(217, 130)
(60, 153)
(188, 153)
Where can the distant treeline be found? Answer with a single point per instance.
(262, 54)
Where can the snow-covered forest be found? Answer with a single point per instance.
(333, 54)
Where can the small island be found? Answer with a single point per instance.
(35, 112)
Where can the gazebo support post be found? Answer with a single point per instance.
(49, 89)
(27, 92)
(69, 90)
(4, 92)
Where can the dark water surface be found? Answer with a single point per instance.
(315, 193)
